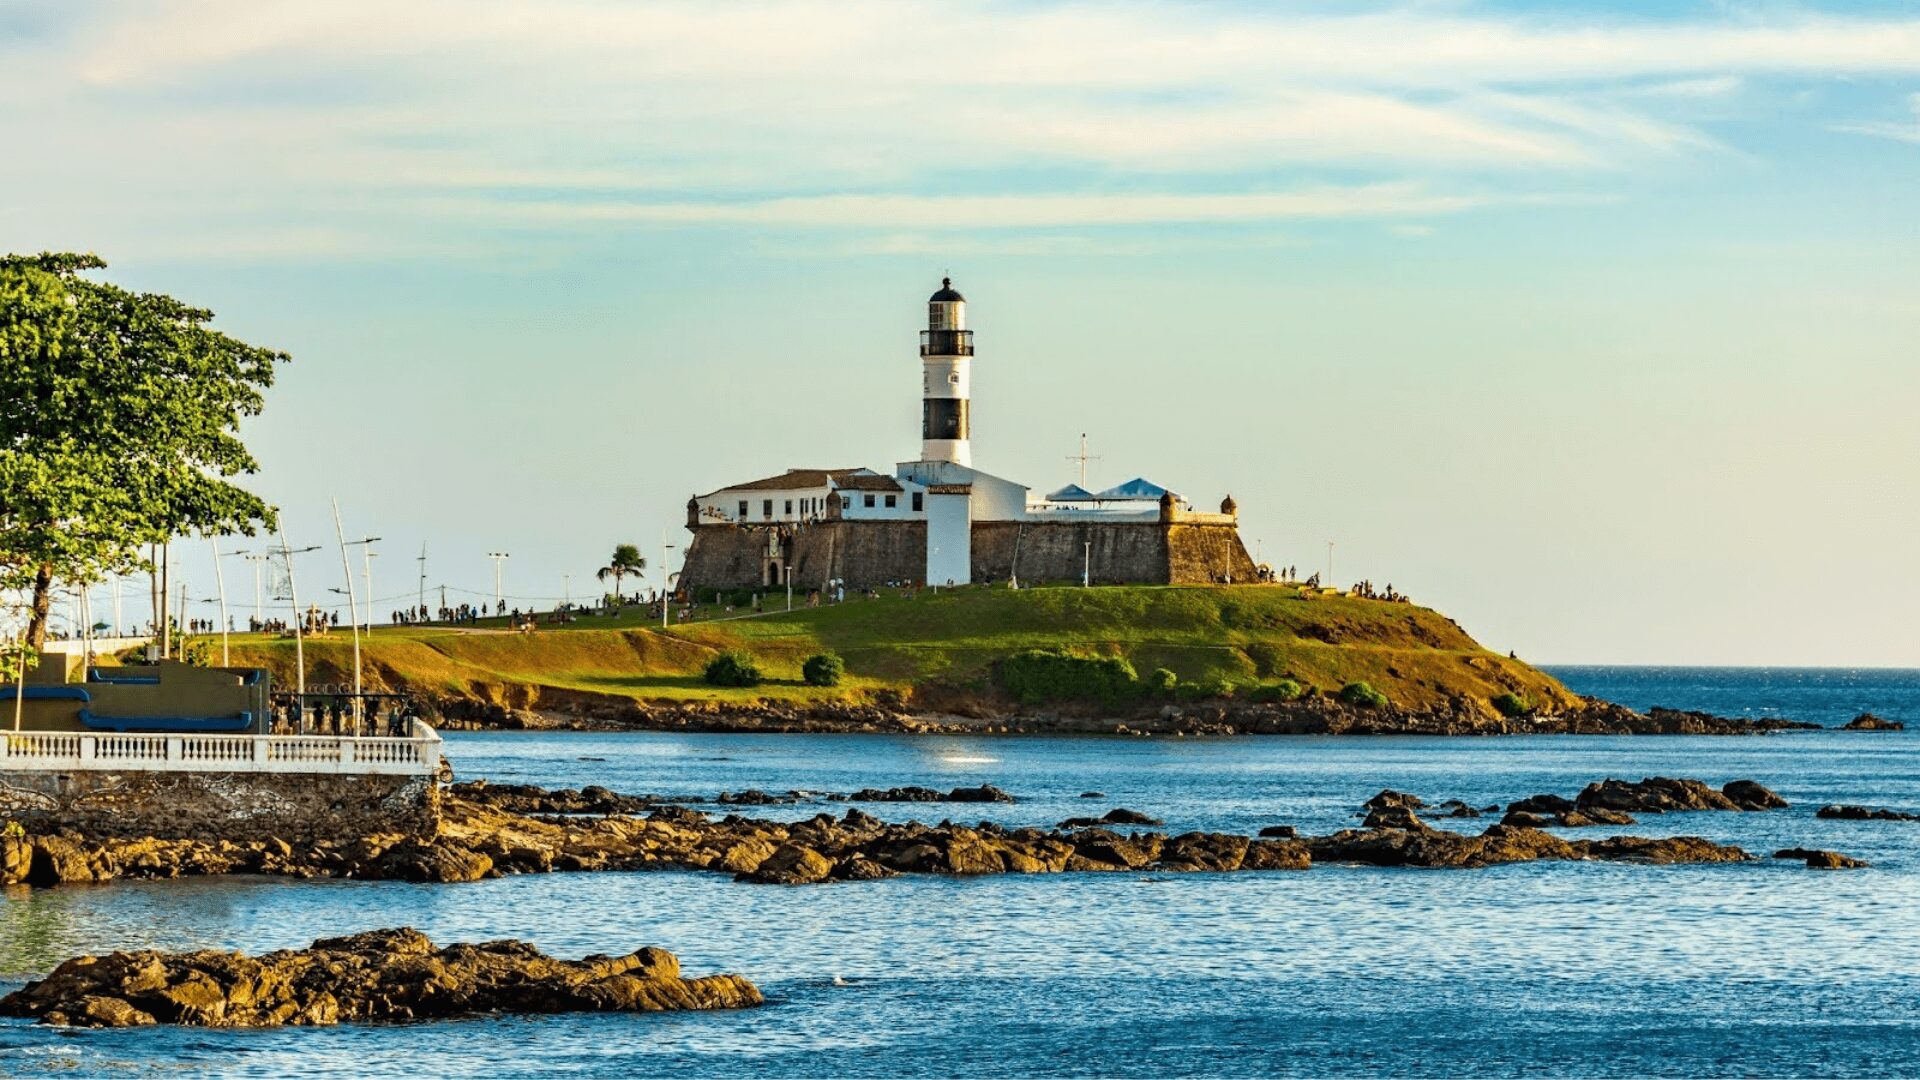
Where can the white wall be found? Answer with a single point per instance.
(949, 540)
(724, 506)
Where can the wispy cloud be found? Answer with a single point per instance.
(366, 115)
(1907, 131)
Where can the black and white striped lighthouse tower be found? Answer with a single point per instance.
(946, 363)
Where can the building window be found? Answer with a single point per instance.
(766, 508)
(846, 502)
(743, 509)
(867, 501)
(789, 510)
(893, 501)
(918, 503)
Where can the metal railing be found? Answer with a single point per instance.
(60, 751)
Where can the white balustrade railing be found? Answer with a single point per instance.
(61, 751)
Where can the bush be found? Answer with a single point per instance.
(733, 669)
(1363, 695)
(1265, 658)
(1511, 705)
(823, 669)
(1160, 681)
(1284, 690)
(1042, 675)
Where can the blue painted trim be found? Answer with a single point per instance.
(237, 722)
(47, 693)
(96, 675)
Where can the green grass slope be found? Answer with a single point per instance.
(1224, 639)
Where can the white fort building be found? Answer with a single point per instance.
(938, 520)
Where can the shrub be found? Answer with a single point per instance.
(1265, 657)
(1160, 681)
(1041, 675)
(823, 669)
(1511, 705)
(733, 669)
(1363, 695)
(1284, 690)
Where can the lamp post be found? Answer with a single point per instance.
(1329, 564)
(293, 598)
(1086, 565)
(220, 581)
(666, 580)
(365, 544)
(499, 560)
(353, 610)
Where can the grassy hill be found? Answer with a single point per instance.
(943, 647)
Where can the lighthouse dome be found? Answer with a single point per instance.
(947, 294)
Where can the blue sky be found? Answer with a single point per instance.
(1593, 325)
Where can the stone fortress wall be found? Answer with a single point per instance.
(871, 553)
(300, 808)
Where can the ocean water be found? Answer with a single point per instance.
(1561, 969)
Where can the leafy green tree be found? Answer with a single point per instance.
(119, 425)
(626, 560)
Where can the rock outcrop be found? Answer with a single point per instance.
(378, 975)
(1821, 860)
(1864, 813)
(986, 793)
(1866, 721)
(1662, 795)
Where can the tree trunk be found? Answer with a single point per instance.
(42, 605)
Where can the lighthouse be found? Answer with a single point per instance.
(946, 369)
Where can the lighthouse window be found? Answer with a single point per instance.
(867, 501)
(893, 501)
(954, 378)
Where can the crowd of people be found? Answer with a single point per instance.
(339, 713)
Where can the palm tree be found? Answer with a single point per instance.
(626, 560)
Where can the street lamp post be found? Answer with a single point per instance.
(499, 560)
(353, 610)
(1086, 565)
(293, 598)
(666, 581)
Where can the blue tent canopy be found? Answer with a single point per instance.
(1071, 493)
(1138, 488)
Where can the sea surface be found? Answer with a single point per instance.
(1765, 968)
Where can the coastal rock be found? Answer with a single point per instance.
(1661, 795)
(792, 864)
(986, 793)
(1391, 798)
(1542, 804)
(1505, 844)
(1282, 832)
(1454, 808)
(1119, 815)
(529, 799)
(1864, 813)
(1748, 795)
(382, 975)
(1821, 860)
(1392, 816)
(1866, 721)
(429, 861)
(16, 859)
(1567, 819)
(756, 797)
